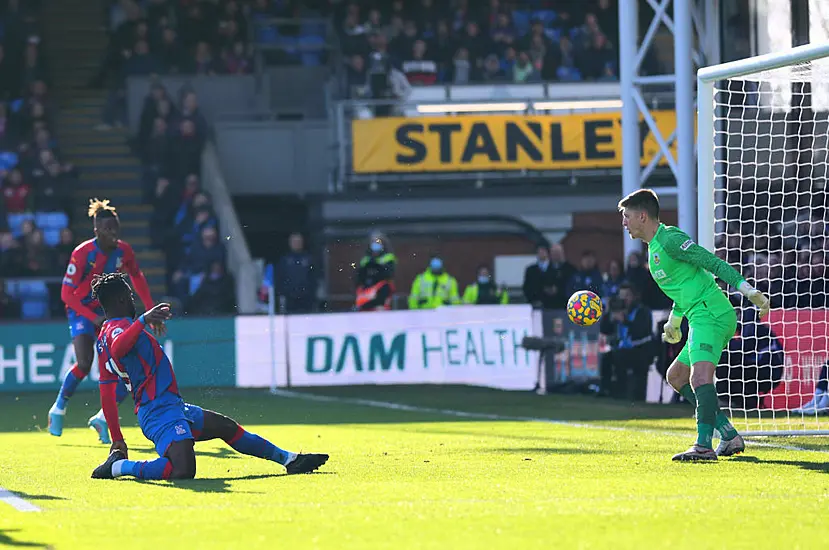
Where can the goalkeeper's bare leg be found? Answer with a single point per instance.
(680, 378)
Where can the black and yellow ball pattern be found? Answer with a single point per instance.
(584, 308)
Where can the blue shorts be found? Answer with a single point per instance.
(78, 324)
(167, 419)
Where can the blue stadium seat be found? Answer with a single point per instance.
(521, 21)
(312, 28)
(311, 57)
(35, 309)
(566, 74)
(33, 296)
(545, 16)
(51, 236)
(16, 222)
(8, 160)
(51, 220)
(267, 34)
(553, 34)
(195, 283)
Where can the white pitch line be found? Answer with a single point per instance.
(16, 502)
(488, 416)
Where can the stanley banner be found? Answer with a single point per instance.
(499, 142)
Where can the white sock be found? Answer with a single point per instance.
(291, 458)
(56, 410)
(116, 468)
(100, 416)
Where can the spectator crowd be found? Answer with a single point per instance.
(36, 183)
(468, 41)
(169, 37)
(171, 137)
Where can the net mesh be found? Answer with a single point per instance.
(771, 220)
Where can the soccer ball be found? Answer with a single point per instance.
(584, 308)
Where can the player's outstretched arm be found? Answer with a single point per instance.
(123, 342)
(680, 246)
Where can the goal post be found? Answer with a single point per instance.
(762, 168)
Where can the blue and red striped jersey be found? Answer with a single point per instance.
(88, 260)
(128, 352)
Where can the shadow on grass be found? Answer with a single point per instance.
(822, 467)
(30, 496)
(215, 453)
(546, 451)
(219, 484)
(7, 538)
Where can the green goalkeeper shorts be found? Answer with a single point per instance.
(711, 328)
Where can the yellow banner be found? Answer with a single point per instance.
(499, 142)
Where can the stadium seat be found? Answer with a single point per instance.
(51, 236)
(51, 220)
(195, 282)
(553, 34)
(545, 16)
(521, 21)
(8, 160)
(33, 296)
(35, 309)
(312, 28)
(16, 222)
(311, 48)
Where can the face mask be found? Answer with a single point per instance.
(543, 264)
(436, 264)
(215, 276)
(483, 279)
(376, 247)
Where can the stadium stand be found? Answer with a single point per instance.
(37, 183)
(469, 42)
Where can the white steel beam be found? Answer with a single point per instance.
(690, 18)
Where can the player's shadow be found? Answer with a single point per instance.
(822, 467)
(30, 496)
(219, 484)
(7, 538)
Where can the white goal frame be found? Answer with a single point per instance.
(707, 78)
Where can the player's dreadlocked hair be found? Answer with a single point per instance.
(107, 287)
(101, 209)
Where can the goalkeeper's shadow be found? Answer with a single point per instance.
(822, 467)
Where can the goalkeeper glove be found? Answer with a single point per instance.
(672, 332)
(755, 297)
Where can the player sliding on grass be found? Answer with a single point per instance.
(127, 352)
(683, 269)
(106, 253)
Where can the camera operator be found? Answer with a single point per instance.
(628, 329)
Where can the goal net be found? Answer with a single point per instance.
(763, 166)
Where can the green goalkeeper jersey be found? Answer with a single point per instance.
(685, 272)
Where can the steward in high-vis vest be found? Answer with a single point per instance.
(375, 285)
(484, 291)
(434, 288)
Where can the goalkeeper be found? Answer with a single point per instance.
(683, 270)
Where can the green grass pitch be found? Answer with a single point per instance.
(417, 478)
